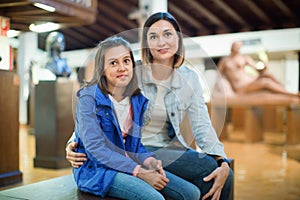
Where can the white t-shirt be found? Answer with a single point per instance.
(155, 133)
(122, 111)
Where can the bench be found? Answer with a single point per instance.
(61, 188)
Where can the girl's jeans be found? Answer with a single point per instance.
(130, 187)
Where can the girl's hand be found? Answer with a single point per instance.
(153, 177)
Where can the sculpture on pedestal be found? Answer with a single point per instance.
(55, 44)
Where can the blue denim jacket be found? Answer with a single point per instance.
(99, 136)
(184, 96)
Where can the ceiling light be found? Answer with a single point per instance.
(45, 7)
(46, 27)
(12, 33)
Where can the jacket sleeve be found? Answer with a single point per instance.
(200, 122)
(97, 146)
(141, 154)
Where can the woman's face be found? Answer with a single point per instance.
(163, 41)
(118, 67)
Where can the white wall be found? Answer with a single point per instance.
(272, 40)
(282, 47)
(27, 51)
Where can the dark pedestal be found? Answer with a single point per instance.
(9, 128)
(54, 122)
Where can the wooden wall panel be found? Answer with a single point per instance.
(9, 129)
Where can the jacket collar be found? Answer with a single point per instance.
(101, 98)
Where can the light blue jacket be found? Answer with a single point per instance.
(185, 96)
(98, 135)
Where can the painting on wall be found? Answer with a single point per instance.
(5, 48)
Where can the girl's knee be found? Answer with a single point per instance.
(152, 195)
(189, 194)
(195, 194)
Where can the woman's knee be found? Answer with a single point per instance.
(230, 180)
(209, 164)
(228, 186)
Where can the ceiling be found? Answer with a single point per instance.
(196, 17)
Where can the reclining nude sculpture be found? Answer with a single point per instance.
(232, 68)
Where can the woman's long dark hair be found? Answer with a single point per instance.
(146, 54)
(99, 78)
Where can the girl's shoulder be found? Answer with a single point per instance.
(88, 90)
(140, 97)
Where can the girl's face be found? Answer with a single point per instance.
(118, 67)
(163, 41)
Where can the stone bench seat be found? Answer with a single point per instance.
(61, 188)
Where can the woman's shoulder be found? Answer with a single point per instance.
(187, 71)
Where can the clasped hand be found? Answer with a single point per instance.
(154, 175)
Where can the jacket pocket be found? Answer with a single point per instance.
(93, 178)
(105, 119)
(86, 178)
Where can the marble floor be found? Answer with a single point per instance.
(263, 170)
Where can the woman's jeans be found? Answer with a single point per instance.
(191, 166)
(130, 187)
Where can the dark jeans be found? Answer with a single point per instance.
(191, 166)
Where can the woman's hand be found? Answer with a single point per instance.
(154, 164)
(219, 175)
(153, 177)
(76, 159)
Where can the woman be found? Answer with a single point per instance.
(174, 90)
(108, 131)
(178, 94)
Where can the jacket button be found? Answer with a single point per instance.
(172, 114)
(90, 167)
(106, 114)
(96, 109)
